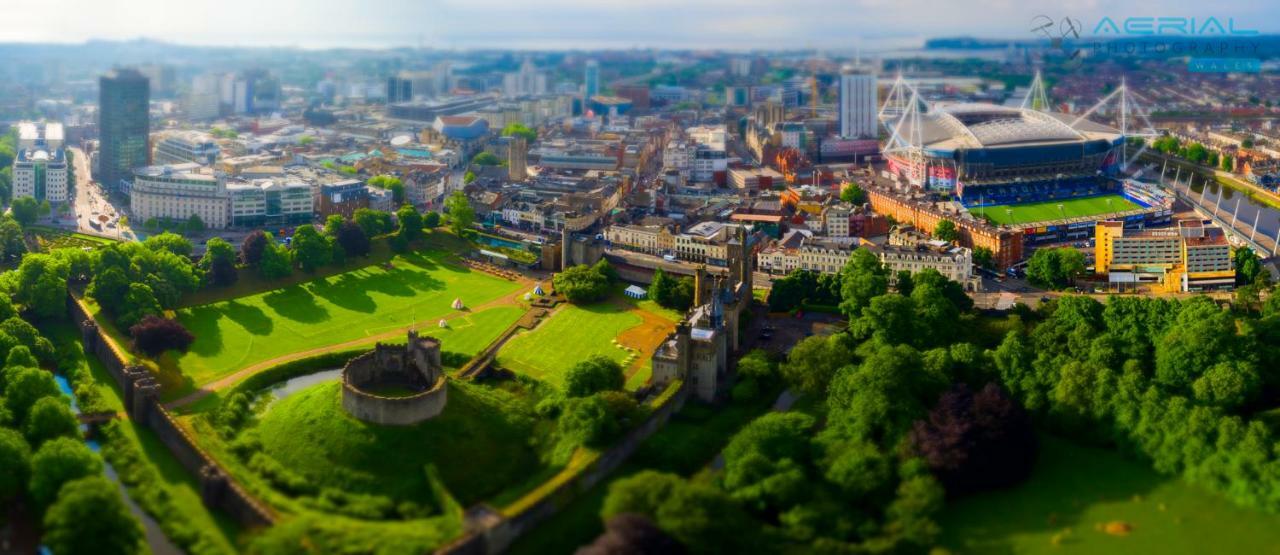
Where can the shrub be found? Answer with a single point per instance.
(594, 375)
(154, 335)
(976, 441)
(582, 283)
(147, 489)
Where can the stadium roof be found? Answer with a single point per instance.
(968, 126)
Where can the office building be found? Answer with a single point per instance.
(203, 102)
(428, 111)
(341, 197)
(399, 89)
(124, 126)
(264, 202)
(40, 165)
(709, 164)
(180, 147)
(528, 81)
(591, 80)
(176, 192)
(858, 104)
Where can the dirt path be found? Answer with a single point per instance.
(229, 380)
(645, 337)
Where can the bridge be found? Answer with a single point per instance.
(1225, 217)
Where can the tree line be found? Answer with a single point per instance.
(45, 467)
(916, 413)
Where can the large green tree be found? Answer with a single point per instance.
(946, 231)
(42, 285)
(461, 214)
(597, 373)
(15, 463)
(90, 518)
(219, 262)
(24, 387)
(51, 417)
(853, 194)
(862, 279)
(581, 284)
(57, 462)
(813, 362)
(1055, 268)
(410, 223)
(25, 210)
(311, 250)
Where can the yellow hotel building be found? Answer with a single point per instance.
(1191, 257)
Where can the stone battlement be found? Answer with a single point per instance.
(413, 368)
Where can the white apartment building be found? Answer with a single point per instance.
(678, 156)
(858, 105)
(40, 168)
(706, 242)
(712, 136)
(527, 81)
(177, 191)
(954, 263)
(830, 256)
(655, 240)
(835, 220)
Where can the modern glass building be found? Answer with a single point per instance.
(591, 80)
(123, 126)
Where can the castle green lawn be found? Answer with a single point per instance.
(1074, 489)
(570, 335)
(238, 332)
(1006, 214)
(471, 333)
(486, 440)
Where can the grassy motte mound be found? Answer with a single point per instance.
(486, 440)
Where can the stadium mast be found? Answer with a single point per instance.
(1129, 109)
(1036, 98)
(912, 145)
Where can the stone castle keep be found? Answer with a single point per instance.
(414, 366)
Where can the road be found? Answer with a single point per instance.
(91, 204)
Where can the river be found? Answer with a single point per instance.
(1268, 218)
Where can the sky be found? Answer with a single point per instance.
(581, 24)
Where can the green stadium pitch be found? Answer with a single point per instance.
(1052, 210)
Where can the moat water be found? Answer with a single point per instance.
(299, 383)
(159, 543)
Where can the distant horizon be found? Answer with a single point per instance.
(561, 25)
(887, 45)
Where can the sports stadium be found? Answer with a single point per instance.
(1051, 175)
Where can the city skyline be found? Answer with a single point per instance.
(570, 24)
